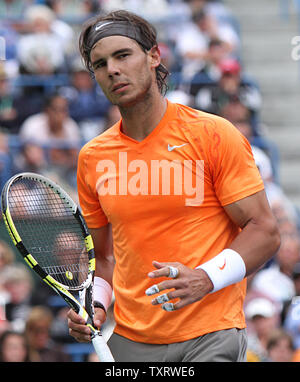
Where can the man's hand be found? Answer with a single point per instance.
(189, 286)
(77, 327)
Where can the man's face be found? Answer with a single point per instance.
(124, 71)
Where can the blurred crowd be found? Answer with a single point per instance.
(50, 106)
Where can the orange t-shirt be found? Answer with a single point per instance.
(163, 197)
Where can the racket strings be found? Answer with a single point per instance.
(49, 231)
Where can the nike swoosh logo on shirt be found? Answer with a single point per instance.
(171, 148)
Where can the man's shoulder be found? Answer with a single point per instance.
(101, 140)
(191, 116)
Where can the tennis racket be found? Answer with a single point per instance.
(49, 231)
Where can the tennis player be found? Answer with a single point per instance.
(186, 206)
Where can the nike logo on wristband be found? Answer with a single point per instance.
(223, 266)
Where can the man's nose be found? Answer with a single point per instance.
(112, 68)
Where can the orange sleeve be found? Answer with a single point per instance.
(234, 171)
(87, 194)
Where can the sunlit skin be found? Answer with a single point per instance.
(116, 61)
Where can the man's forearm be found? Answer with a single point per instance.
(105, 262)
(105, 267)
(257, 243)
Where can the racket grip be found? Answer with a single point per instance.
(102, 348)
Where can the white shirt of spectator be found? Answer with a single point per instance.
(36, 129)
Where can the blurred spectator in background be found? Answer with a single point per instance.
(240, 116)
(176, 91)
(197, 5)
(13, 9)
(30, 158)
(54, 130)
(147, 8)
(279, 279)
(40, 51)
(61, 28)
(296, 278)
(78, 10)
(193, 41)
(5, 159)
(168, 58)
(210, 73)
(13, 347)
(88, 105)
(262, 318)
(28, 100)
(291, 321)
(42, 348)
(53, 124)
(276, 281)
(7, 110)
(280, 346)
(239, 101)
(18, 283)
(283, 209)
(229, 88)
(10, 36)
(7, 257)
(214, 7)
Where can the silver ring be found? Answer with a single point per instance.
(168, 306)
(173, 272)
(152, 290)
(162, 298)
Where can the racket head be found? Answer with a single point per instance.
(49, 231)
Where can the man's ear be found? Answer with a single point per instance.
(154, 54)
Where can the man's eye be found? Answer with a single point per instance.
(99, 65)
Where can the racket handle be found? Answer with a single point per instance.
(102, 348)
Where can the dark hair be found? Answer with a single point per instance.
(146, 29)
(48, 100)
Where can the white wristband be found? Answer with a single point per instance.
(225, 269)
(102, 292)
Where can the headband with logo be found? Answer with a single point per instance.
(116, 28)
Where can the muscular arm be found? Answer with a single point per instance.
(259, 239)
(256, 243)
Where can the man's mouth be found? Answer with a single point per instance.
(119, 86)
